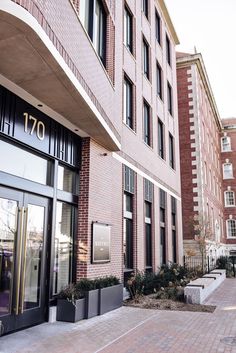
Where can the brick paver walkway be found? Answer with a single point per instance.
(131, 330)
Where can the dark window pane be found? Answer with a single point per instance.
(128, 202)
(158, 28)
(174, 246)
(148, 230)
(128, 102)
(145, 59)
(128, 244)
(148, 210)
(145, 7)
(159, 81)
(99, 34)
(171, 151)
(168, 51)
(169, 98)
(160, 139)
(162, 246)
(146, 123)
(162, 215)
(128, 30)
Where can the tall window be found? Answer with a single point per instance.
(145, 8)
(146, 69)
(158, 27)
(169, 99)
(161, 151)
(162, 227)
(128, 29)
(168, 50)
(148, 196)
(93, 18)
(231, 228)
(173, 224)
(128, 102)
(171, 151)
(146, 124)
(225, 144)
(63, 258)
(159, 81)
(227, 171)
(128, 218)
(229, 198)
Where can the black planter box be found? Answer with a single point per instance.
(110, 298)
(67, 311)
(92, 303)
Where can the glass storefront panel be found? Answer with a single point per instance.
(66, 179)
(33, 249)
(63, 247)
(16, 161)
(8, 227)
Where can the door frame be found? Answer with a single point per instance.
(15, 321)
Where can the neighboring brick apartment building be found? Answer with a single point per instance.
(89, 163)
(201, 170)
(228, 162)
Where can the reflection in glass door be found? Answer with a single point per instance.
(8, 228)
(32, 258)
(23, 231)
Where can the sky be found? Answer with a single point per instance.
(210, 26)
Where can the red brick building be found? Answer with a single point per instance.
(200, 154)
(89, 163)
(228, 164)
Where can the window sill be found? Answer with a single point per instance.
(129, 52)
(230, 206)
(150, 147)
(147, 79)
(129, 128)
(228, 178)
(226, 151)
(158, 44)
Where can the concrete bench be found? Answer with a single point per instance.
(197, 291)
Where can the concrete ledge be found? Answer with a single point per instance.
(197, 291)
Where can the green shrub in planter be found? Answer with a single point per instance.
(70, 304)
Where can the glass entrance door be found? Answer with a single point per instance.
(23, 230)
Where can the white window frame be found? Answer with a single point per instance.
(229, 236)
(228, 177)
(226, 199)
(225, 147)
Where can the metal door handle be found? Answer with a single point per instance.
(21, 308)
(18, 263)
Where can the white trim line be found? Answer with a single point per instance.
(19, 12)
(144, 175)
(127, 332)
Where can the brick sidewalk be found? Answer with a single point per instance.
(131, 330)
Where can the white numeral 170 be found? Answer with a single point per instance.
(32, 124)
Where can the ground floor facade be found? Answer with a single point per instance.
(71, 209)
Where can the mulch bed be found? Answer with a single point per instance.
(150, 302)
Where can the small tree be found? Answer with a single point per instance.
(203, 234)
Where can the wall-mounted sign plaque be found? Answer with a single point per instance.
(101, 242)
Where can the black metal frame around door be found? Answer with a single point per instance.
(18, 317)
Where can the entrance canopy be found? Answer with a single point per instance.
(33, 58)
